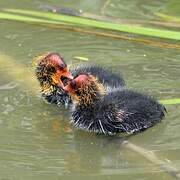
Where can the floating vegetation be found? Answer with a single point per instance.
(81, 58)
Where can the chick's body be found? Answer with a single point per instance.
(97, 110)
(119, 111)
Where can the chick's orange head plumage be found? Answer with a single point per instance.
(85, 89)
(76, 83)
(56, 67)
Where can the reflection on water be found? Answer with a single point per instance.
(37, 140)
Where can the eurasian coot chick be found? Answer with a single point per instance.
(124, 110)
(52, 69)
(51, 73)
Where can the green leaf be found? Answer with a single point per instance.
(168, 34)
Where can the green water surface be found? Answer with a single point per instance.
(36, 140)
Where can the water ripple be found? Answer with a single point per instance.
(7, 86)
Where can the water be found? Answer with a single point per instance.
(37, 142)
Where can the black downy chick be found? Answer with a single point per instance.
(51, 73)
(96, 110)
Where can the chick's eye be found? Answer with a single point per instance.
(73, 84)
(62, 66)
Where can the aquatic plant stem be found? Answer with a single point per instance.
(80, 13)
(154, 43)
(170, 101)
(150, 156)
(55, 24)
(168, 17)
(15, 17)
(80, 21)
